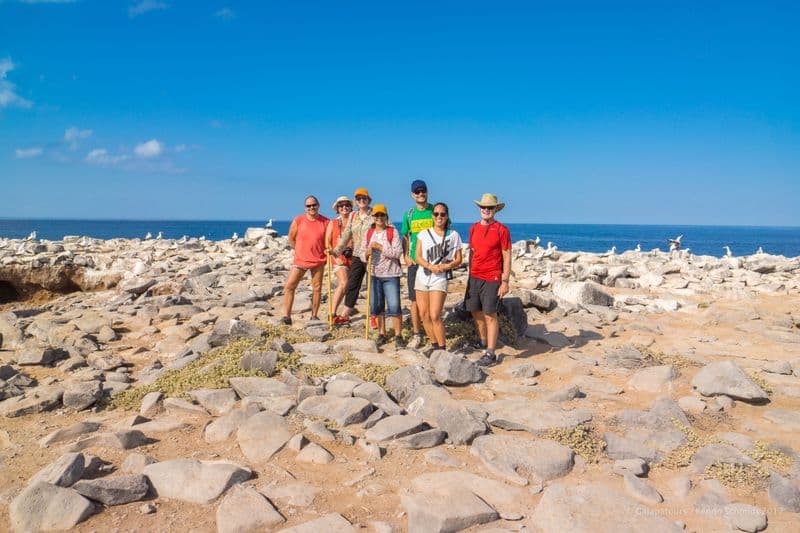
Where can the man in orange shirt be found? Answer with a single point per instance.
(307, 237)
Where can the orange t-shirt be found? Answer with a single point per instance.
(336, 233)
(309, 242)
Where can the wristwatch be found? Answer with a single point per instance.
(505, 280)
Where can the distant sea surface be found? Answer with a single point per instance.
(701, 240)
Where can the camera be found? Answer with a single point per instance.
(347, 252)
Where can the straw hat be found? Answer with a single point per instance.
(490, 200)
(339, 200)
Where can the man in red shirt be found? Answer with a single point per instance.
(489, 271)
(307, 237)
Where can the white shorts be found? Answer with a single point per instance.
(434, 285)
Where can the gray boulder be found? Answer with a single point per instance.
(451, 369)
(404, 382)
(62, 472)
(343, 411)
(330, 523)
(394, 427)
(195, 481)
(461, 421)
(45, 507)
(259, 360)
(533, 416)
(114, 490)
(454, 510)
(521, 460)
(263, 435)
(245, 509)
(582, 293)
(726, 378)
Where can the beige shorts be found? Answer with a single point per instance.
(438, 285)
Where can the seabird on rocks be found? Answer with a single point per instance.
(675, 244)
(148, 236)
(728, 252)
(638, 248)
(183, 239)
(536, 242)
(31, 237)
(234, 237)
(159, 236)
(268, 224)
(760, 251)
(545, 280)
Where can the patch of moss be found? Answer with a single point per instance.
(739, 476)
(761, 382)
(763, 453)
(366, 371)
(682, 455)
(704, 305)
(210, 371)
(582, 439)
(654, 358)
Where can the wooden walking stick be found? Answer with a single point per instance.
(330, 300)
(369, 293)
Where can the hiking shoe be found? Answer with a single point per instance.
(341, 320)
(380, 340)
(488, 359)
(286, 321)
(399, 343)
(415, 342)
(477, 345)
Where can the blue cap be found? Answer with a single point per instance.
(418, 184)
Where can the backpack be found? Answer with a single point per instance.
(389, 234)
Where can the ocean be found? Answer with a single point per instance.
(701, 240)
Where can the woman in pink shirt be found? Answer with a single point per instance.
(307, 237)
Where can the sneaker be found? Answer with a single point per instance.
(477, 345)
(415, 342)
(341, 320)
(399, 343)
(380, 340)
(286, 321)
(314, 319)
(373, 321)
(488, 359)
(428, 351)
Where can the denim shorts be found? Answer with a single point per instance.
(385, 293)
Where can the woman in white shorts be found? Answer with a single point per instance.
(438, 252)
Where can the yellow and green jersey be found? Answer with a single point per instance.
(414, 221)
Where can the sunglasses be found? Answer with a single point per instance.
(379, 215)
(487, 207)
(312, 206)
(440, 215)
(348, 206)
(421, 191)
(362, 198)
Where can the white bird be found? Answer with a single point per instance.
(551, 249)
(31, 237)
(536, 242)
(183, 239)
(638, 248)
(675, 244)
(655, 251)
(268, 224)
(148, 236)
(545, 280)
(159, 236)
(85, 241)
(234, 237)
(612, 251)
(728, 252)
(202, 238)
(760, 251)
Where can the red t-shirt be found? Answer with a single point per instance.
(309, 243)
(487, 243)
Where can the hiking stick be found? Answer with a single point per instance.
(330, 300)
(369, 293)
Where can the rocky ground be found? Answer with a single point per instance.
(146, 385)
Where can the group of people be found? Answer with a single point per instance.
(361, 236)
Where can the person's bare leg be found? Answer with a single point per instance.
(480, 324)
(341, 279)
(397, 323)
(435, 305)
(492, 329)
(292, 280)
(415, 318)
(381, 324)
(317, 274)
(424, 315)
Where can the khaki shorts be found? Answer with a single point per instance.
(438, 285)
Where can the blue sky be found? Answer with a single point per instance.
(572, 112)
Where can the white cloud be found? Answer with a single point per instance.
(73, 136)
(8, 91)
(27, 153)
(144, 6)
(101, 157)
(150, 149)
(226, 13)
(180, 148)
